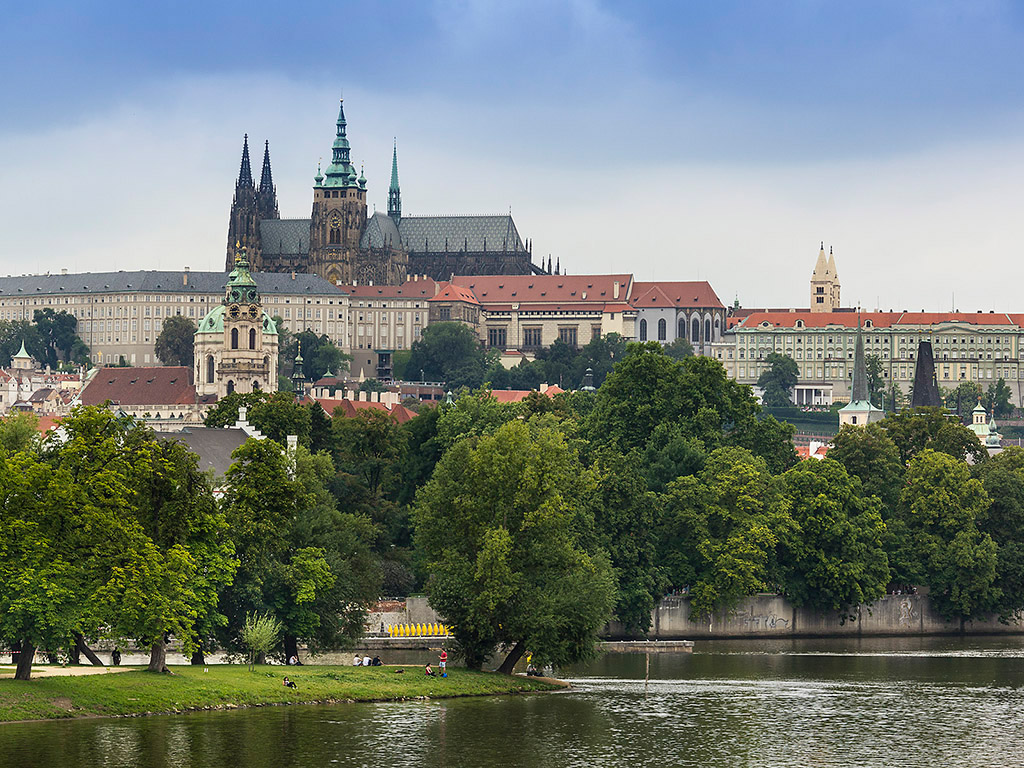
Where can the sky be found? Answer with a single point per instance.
(676, 140)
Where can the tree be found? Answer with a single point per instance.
(942, 546)
(19, 432)
(777, 380)
(834, 558)
(1002, 476)
(679, 348)
(917, 429)
(624, 516)
(318, 355)
(998, 398)
(57, 338)
(508, 538)
(259, 634)
(276, 415)
(963, 399)
(868, 454)
(474, 413)
(176, 343)
(876, 381)
(372, 385)
(719, 531)
(447, 351)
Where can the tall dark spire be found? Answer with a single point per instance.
(394, 192)
(266, 195)
(245, 172)
(860, 371)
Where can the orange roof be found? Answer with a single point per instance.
(848, 320)
(350, 408)
(455, 293)
(46, 423)
(545, 289)
(518, 395)
(695, 293)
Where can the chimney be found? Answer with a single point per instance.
(63, 271)
(184, 277)
(243, 412)
(615, 290)
(293, 275)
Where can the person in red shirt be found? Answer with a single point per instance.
(443, 663)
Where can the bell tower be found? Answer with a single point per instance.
(339, 212)
(243, 227)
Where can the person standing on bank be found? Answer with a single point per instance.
(442, 663)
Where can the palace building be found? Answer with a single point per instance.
(345, 245)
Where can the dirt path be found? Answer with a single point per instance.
(48, 670)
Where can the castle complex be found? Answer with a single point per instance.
(342, 244)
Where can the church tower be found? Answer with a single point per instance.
(394, 193)
(236, 343)
(339, 213)
(266, 198)
(825, 283)
(243, 227)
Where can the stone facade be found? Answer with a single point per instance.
(670, 310)
(825, 283)
(236, 343)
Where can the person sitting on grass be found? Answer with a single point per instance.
(289, 683)
(429, 670)
(377, 662)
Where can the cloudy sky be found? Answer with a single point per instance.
(676, 139)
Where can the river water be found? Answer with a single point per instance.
(893, 702)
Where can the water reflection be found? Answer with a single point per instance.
(949, 702)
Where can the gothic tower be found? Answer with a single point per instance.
(825, 283)
(266, 195)
(236, 343)
(244, 225)
(394, 193)
(339, 213)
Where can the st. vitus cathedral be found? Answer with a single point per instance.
(340, 243)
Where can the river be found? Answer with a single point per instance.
(879, 702)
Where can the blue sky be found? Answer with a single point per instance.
(681, 140)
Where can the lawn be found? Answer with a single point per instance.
(137, 692)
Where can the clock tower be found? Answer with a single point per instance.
(236, 343)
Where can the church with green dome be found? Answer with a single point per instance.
(236, 343)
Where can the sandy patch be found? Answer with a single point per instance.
(47, 670)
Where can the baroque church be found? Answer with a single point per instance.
(340, 243)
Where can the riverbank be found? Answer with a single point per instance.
(136, 692)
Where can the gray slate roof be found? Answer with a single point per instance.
(213, 446)
(380, 232)
(287, 237)
(470, 233)
(153, 281)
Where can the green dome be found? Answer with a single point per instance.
(214, 322)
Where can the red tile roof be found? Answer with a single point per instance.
(848, 320)
(546, 289)
(169, 385)
(452, 292)
(350, 408)
(518, 395)
(696, 293)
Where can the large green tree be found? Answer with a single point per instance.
(777, 380)
(508, 534)
(176, 343)
(58, 339)
(449, 352)
(1002, 476)
(834, 558)
(914, 430)
(868, 454)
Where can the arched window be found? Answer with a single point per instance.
(231, 387)
(643, 330)
(682, 328)
(252, 338)
(707, 331)
(695, 328)
(255, 386)
(266, 363)
(662, 330)
(209, 369)
(234, 338)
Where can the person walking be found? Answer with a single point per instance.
(442, 663)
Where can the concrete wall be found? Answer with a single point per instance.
(772, 616)
(413, 610)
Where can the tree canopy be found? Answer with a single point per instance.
(176, 343)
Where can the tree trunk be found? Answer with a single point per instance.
(158, 657)
(261, 658)
(74, 654)
(198, 658)
(92, 657)
(512, 659)
(291, 648)
(25, 656)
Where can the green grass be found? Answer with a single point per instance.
(228, 686)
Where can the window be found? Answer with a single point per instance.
(682, 328)
(568, 335)
(643, 330)
(531, 337)
(444, 313)
(252, 338)
(209, 369)
(662, 330)
(234, 338)
(496, 337)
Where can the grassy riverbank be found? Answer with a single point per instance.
(229, 686)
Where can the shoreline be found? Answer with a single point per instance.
(136, 693)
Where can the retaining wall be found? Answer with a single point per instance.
(773, 616)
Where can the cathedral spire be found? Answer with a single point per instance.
(266, 195)
(860, 370)
(341, 173)
(245, 172)
(394, 192)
